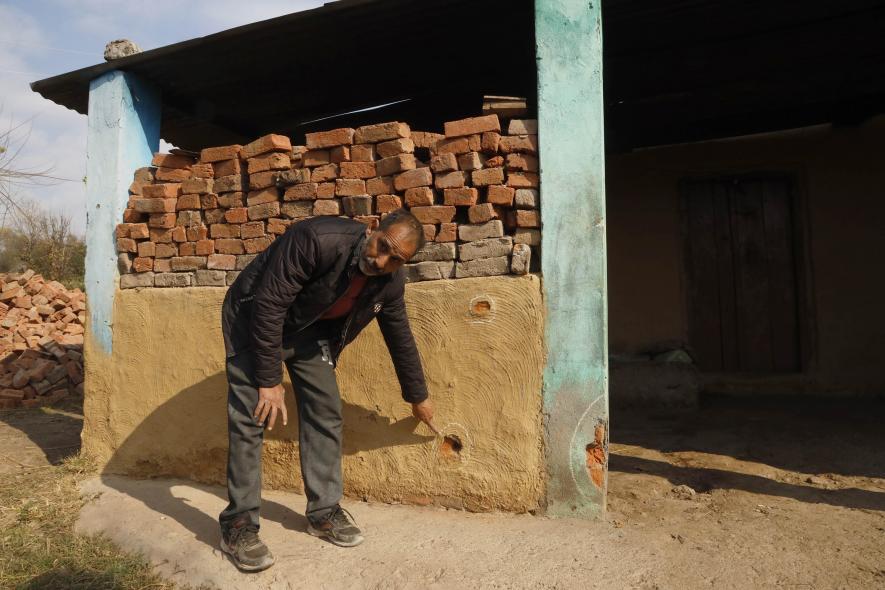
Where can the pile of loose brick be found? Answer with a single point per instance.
(41, 340)
(199, 221)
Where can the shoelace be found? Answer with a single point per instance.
(248, 534)
(342, 516)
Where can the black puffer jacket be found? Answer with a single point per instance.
(295, 280)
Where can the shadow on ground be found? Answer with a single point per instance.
(30, 437)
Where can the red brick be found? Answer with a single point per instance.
(488, 176)
(327, 207)
(278, 226)
(137, 185)
(348, 187)
(223, 230)
(205, 248)
(460, 196)
(361, 170)
(227, 168)
(221, 262)
(470, 161)
(523, 180)
(166, 250)
(434, 215)
(490, 142)
(448, 232)
(268, 195)
(444, 163)
(370, 220)
(363, 153)
(482, 213)
(448, 180)
(145, 174)
(519, 143)
(261, 180)
(429, 232)
(172, 174)
(126, 245)
(426, 140)
(238, 215)
(500, 195)
(162, 191)
(327, 139)
(143, 264)
(162, 265)
(413, 178)
(155, 205)
(162, 220)
(316, 158)
(132, 216)
(522, 162)
(195, 234)
(216, 154)
(253, 229)
(395, 164)
(527, 218)
(339, 154)
(381, 185)
(187, 249)
(161, 236)
(324, 173)
(138, 231)
(214, 215)
(179, 234)
(301, 192)
(122, 230)
(231, 200)
(267, 143)
(209, 201)
(264, 211)
(172, 161)
(422, 196)
(473, 126)
(297, 209)
(188, 202)
(388, 149)
(273, 161)
(189, 219)
(325, 190)
(229, 246)
(202, 171)
(147, 249)
(257, 245)
(387, 203)
(495, 162)
(381, 132)
(458, 145)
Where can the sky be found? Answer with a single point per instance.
(43, 38)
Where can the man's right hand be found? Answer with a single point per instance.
(270, 402)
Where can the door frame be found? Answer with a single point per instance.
(799, 209)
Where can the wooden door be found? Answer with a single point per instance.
(741, 274)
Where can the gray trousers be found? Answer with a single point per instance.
(310, 366)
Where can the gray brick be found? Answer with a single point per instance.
(483, 267)
(429, 271)
(488, 248)
(173, 279)
(187, 263)
(243, 260)
(521, 260)
(523, 127)
(433, 251)
(139, 279)
(232, 276)
(211, 278)
(124, 263)
(527, 198)
(358, 205)
(481, 231)
(532, 237)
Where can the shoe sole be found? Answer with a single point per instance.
(333, 540)
(242, 566)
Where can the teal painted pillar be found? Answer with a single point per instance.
(572, 150)
(123, 133)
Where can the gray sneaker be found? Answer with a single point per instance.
(240, 541)
(338, 528)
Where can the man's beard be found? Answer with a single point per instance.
(368, 268)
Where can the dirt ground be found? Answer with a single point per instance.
(742, 493)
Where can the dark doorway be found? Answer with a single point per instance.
(741, 273)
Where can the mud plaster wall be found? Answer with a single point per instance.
(157, 406)
(840, 181)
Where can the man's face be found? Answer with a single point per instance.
(387, 250)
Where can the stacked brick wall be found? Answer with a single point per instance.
(199, 221)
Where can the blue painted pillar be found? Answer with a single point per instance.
(123, 134)
(572, 150)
